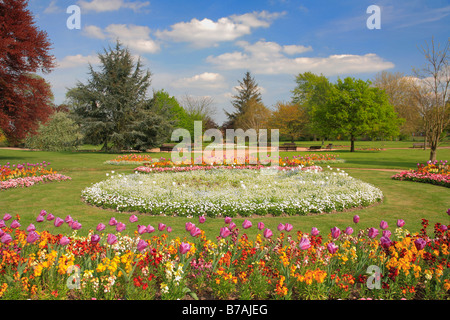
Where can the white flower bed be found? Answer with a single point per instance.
(221, 192)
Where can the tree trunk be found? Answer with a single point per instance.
(352, 139)
(432, 154)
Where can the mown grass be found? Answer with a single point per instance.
(407, 200)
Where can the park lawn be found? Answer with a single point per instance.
(407, 200)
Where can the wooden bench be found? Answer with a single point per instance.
(288, 147)
(329, 147)
(167, 147)
(420, 145)
(315, 148)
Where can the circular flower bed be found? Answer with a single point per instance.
(232, 192)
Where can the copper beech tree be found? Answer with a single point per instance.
(25, 98)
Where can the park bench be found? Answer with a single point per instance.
(420, 145)
(315, 148)
(329, 146)
(288, 147)
(167, 147)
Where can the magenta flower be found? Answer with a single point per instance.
(120, 227)
(224, 232)
(6, 238)
(112, 221)
(202, 219)
(420, 243)
(288, 227)
(335, 232)
(100, 227)
(232, 226)
(76, 225)
(58, 222)
(372, 233)
(189, 226)
(385, 242)
(227, 220)
(383, 225)
(386, 233)
(304, 244)
(2, 224)
(68, 219)
(184, 248)
(50, 217)
(40, 218)
(448, 211)
(349, 230)
(246, 224)
(43, 213)
(141, 229)
(400, 223)
(195, 231)
(161, 226)
(150, 229)
(31, 227)
(260, 225)
(169, 229)
(142, 244)
(111, 239)
(95, 238)
(64, 241)
(444, 227)
(267, 233)
(332, 248)
(32, 237)
(356, 219)
(280, 227)
(7, 216)
(133, 218)
(314, 231)
(15, 224)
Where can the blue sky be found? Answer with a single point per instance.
(202, 48)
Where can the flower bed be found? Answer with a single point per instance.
(231, 192)
(130, 159)
(436, 172)
(278, 264)
(27, 175)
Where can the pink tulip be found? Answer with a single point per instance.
(142, 244)
(400, 223)
(314, 231)
(40, 218)
(7, 216)
(356, 219)
(335, 232)
(150, 229)
(112, 221)
(304, 244)
(58, 222)
(224, 232)
(420, 243)
(50, 217)
(95, 238)
(169, 229)
(133, 218)
(64, 241)
(288, 227)
(141, 229)
(202, 219)
(448, 211)
(15, 224)
(386, 233)
(43, 213)
(385, 242)
(227, 220)
(372, 233)
(280, 227)
(332, 248)
(267, 233)
(120, 227)
(349, 230)
(6, 238)
(195, 232)
(161, 226)
(31, 227)
(76, 225)
(184, 248)
(32, 237)
(246, 224)
(260, 225)
(68, 219)
(383, 225)
(232, 226)
(444, 227)
(2, 224)
(111, 239)
(100, 227)
(189, 226)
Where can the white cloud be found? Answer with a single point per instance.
(135, 37)
(52, 8)
(270, 58)
(77, 61)
(205, 80)
(206, 32)
(111, 5)
(294, 49)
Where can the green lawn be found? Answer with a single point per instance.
(407, 200)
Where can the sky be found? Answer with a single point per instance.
(203, 48)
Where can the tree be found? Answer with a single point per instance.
(248, 90)
(354, 108)
(113, 106)
(433, 92)
(400, 90)
(290, 119)
(255, 116)
(60, 133)
(25, 99)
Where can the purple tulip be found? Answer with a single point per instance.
(383, 225)
(40, 218)
(304, 244)
(232, 225)
(58, 222)
(7, 216)
(161, 226)
(202, 219)
(64, 241)
(2, 224)
(227, 220)
(68, 219)
(335, 232)
(100, 227)
(224, 232)
(142, 244)
(133, 218)
(267, 233)
(50, 217)
(195, 232)
(6, 238)
(386, 233)
(444, 227)
(120, 227)
(31, 227)
(314, 231)
(76, 225)
(184, 248)
(111, 239)
(332, 248)
(260, 225)
(349, 230)
(356, 219)
(385, 242)
(32, 237)
(112, 221)
(95, 238)
(43, 213)
(246, 224)
(150, 229)
(15, 224)
(141, 229)
(372, 233)
(400, 223)
(420, 243)
(288, 227)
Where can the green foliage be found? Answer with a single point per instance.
(60, 133)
